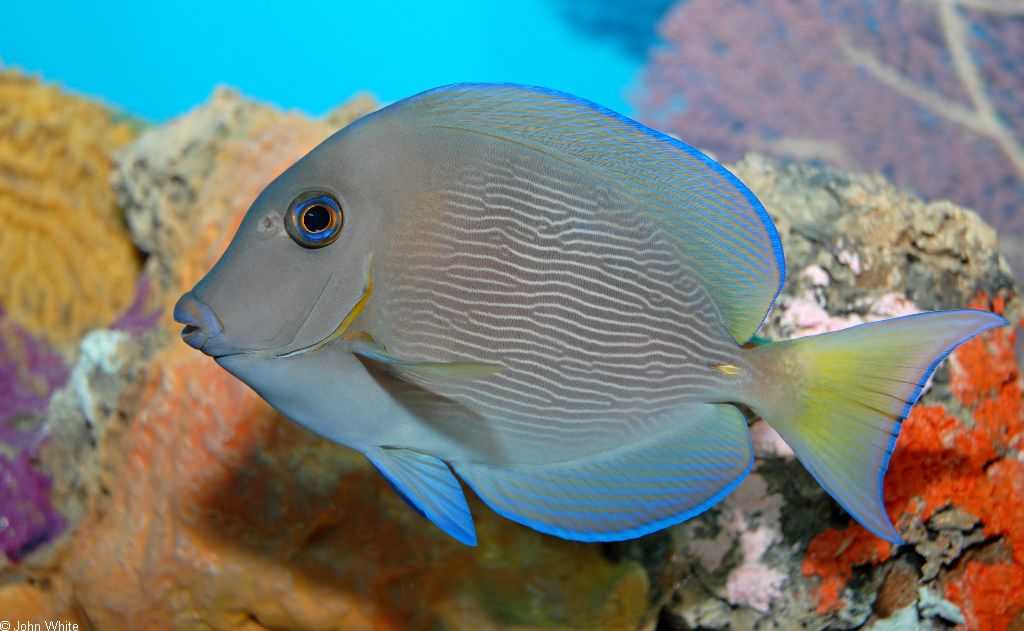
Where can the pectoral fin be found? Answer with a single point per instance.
(429, 487)
(411, 370)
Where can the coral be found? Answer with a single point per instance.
(931, 605)
(29, 371)
(221, 511)
(747, 522)
(26, 519)
(68, 266)
(804, 315)
(767, 441)
(65, 254)
(351, 110)
(753, 583)
(144, 313)
(928, 93)
(994, 594)
(909, 254)
(834, 553)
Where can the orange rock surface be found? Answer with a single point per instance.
(994, 594)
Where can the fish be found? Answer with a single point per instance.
(520, 289)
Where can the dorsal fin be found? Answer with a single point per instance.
(721, 230)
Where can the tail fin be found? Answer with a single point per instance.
(838, 398)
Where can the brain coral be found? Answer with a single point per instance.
(65, 254)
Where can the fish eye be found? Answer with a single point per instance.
(314, 219)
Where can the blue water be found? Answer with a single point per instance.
(159, 62)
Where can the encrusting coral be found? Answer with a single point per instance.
(66, 258)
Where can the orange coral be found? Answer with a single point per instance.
(993, 592)
(940, 461)
(65, 254)
(828, 595)
(835, 552)
(833, 555)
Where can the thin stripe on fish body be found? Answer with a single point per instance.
(511, 257)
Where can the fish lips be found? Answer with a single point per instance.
(203, 330)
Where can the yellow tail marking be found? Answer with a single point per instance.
(728, 369)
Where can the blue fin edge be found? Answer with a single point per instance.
(467, 538)
(997, 321)
(621, 535)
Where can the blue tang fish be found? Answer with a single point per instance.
(550, 301)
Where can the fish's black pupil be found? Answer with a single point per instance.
(316, 218)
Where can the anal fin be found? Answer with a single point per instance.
(629, 491)
(427, 485)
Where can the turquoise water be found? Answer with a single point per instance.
(160, 61)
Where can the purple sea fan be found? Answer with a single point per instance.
(930, 93)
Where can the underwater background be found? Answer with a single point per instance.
(143, 487)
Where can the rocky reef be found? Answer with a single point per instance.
(156, 491)
(68, 265)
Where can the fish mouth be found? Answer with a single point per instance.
(203, 330)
